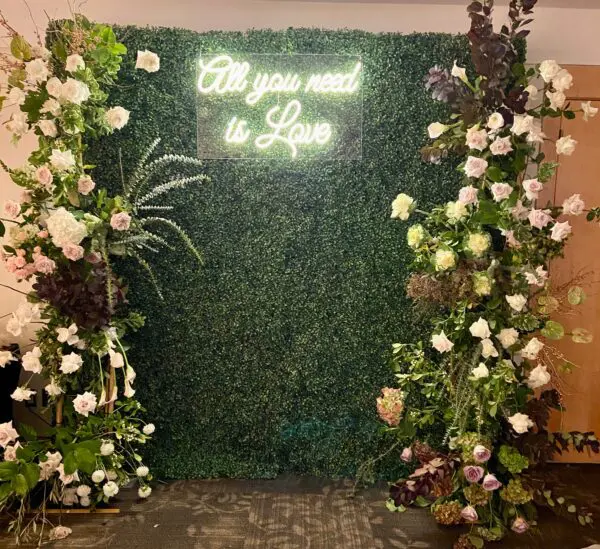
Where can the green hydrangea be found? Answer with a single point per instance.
(516, 493)
(512, 459)
(467, 443)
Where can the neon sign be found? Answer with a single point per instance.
(273, 106)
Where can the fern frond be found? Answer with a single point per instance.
(143, 237)
(150, 272)
(182, 234)
(170, 185)
(155, 208)
(148, 247)
(135, 179)
(160, 162)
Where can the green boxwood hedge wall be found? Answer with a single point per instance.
(269, 358)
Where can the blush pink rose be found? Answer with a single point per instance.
(501, 191)
(520, 525)
(560, 231)
(501, 146)
(491, 483)
(475, 167)
(120, 221)
(481, 454)
(573, 205)
(73, 252)
(42, 234)
(44, 264)
(539, 218)
(468, 195)
(44, 176)
(93, 258)
(12, 209)
(469, 514)
(85, 185)
(473, 473)
(406, 455)
(532, 188)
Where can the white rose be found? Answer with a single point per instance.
(520, 423)
(67, 335)
(459, 72)
(8, 434)
(21, 394)
(480, 329)
(37, 71)
(48, 128)
(54, 87)
(557, 99)
(436, 129)
(501, 191)
(532, 349)
(537, 278)
(495, 121)
(85, 501)
(402, 206)
(98, 476)
(53, 389)
(588, 110)
(517, 302)
(62, 160)
(566, 145)
(111, 474)
(83, 490)
(64, 228)
(532, 91)
(31, 361)
(116, 359)
(415, 236)
(481, 371)
(455, 211)
(508, 337)
(147, 61)
(74, 91)
(488, 349)
(85, 403)
(476, 139)
(563, 80)
(560, 231)
(532, 188)
(107, 448)
(117, 117)
(441, 343)
(549, 69)
(522, 123)
(74, 63)
(142, 471)
(70, 363)
(5, 358)
(17, 96)
(18, 124)
(501, 146)
(538, 377)
(573, 205)
(110, 489)
(51, 106)
(13, 326)
(149, 429)
(144, 491)
(478, 243)
(475, 167)
(468, 195)
(444, 260)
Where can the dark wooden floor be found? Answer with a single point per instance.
(300, 513)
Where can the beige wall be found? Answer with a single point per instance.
(568, 35)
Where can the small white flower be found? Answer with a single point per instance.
(48, 128)
(459, 72)
(21, 394)
(538, 377)
(53, 389)
(18, 124)
(402, 206)
(83, 490)
(17, 96)
(517, 302)
(495, 121)
(563, 80)
(116, 359)
(98, 476)
(481, 371)
(455, 211)
(557, 99)
(5, 358)
(31, 361)
(436, 129)
(37, 71)
(549, 69)
(501, 191)
(85, 403)
(573, 205)
(54, 88)
(532, 91)
(522, 123)
(588, 111)
(149, 429)
(111, 474)
(520, 423)
(74, 63)
(468, 195)
(117, 117)
(67, 335)
(444, 260)
(85, 501)
(532, 349)
(566, 145)
(65, 229)
(74, 91)
(8, 434)
(70, 363)
(51, 106)
(508, 337)
(441, 343)
(144, 491)
(142, 471)
(110, 489)
(62, 160)
(480, 329)
(107, 448)
(147, 61)
(488, 349)
(501, 146)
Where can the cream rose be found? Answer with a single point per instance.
(147, 61)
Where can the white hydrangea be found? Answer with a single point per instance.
(65, 229)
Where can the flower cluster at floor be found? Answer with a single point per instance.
(485, 380)
(62, 236)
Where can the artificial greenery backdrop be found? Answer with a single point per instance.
(269, 358)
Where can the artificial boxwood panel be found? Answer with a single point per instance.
(268, 359)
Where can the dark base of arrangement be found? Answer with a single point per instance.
(302, 513)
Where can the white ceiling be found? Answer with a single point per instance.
(577, 4)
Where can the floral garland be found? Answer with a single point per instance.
(481, 270)
(63, 233)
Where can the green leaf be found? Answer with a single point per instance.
(20, 48)
(86, 460)
(5, 491)
(553, 330)
(16, 78)
(571, 508)
(2, 227)
(420, 501)
(495, 174)
(8, 470)
(569, 115)
(476, 541)
(547, 304)
(27, 432)
(581, 335)
(31, 472)
(19, 485)
(576, 295)
(70, 462)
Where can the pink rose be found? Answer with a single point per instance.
(73, 252)
(539, 218)
(501, 146)
(573, 205)
(93, 258)
(8, 434)
(481, 454)
(519, 212)
(510, 239)
(476, 138)
(501, 191)
(406, 455)
(120, 221)
(560, 231)
(43, 234)
(85, 403)
(473, 473)
(469, 514)
(491, 483)
(85, 185)
(44, 264)
(532, 188)
(468, 195)
(12, 209)
(475, 167)
(520, 525)
(44, 176)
